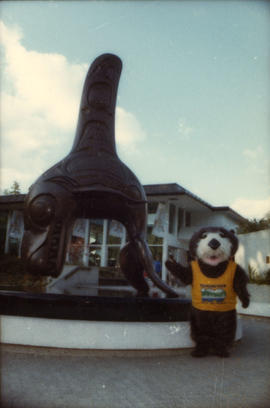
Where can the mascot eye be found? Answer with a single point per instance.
(42, 210)
(222, 235)
(203, 236)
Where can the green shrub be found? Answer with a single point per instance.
(254, 277)
(15, 276)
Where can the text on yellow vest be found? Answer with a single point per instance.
(213, 294)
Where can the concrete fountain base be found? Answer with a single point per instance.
(108, 323)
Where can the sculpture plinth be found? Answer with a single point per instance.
(90, 182)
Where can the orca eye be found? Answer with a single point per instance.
(42, 210)
(222, 235)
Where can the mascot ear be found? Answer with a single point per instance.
(234, 241)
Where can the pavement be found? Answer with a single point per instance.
(34, 377)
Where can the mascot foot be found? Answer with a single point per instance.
(199, 352)
(222, 352)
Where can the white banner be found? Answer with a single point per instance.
(116, 229)
(16, 225)
(160, 221)
(79, 228)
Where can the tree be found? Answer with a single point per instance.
(254, 225)
(14, 189)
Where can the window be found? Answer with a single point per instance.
(96, 242)
(86, 242)
(115, 232)
(152, 207)
(94, 256)
(75, 250)
(3, 230)
(96, 232)
(113, 255)
(153, 239)
(180, 221)
(156, 247)
(172, 212)
(188, 219)
(115, 239)
(15, 233)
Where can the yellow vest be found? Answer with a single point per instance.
(213, 294)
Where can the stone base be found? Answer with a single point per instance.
(78, 334)
(94, 308)
(96, 323)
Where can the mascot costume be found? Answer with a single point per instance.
(216, 282)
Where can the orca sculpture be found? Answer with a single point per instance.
(90, 182)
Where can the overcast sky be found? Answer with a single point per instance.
(193, 102)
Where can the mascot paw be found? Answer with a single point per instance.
(245, 303)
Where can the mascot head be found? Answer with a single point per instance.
(213, 245)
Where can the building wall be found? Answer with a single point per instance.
(212, 219)
(201, 219)
(254, 251)
(168, 234)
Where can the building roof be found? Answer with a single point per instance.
(175, 189)
(231, 211)
(171, 189)
(14, 201)
(12, 198)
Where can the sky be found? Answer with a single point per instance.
(193, 100)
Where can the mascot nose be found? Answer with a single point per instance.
(214, 243)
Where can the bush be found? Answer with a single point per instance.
(254, 277)
(14, 275)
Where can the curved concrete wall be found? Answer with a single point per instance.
(97, 335)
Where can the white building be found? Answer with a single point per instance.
(174, 213)
(180, 213)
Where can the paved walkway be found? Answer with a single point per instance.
(51, 378)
